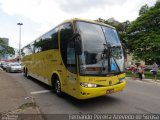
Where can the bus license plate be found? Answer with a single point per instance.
(110, 91)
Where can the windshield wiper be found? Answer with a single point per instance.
(116, 63)
(107, 52)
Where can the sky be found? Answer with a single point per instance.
(39, 16)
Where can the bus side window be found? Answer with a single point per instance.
(27, 50)
(71, 56)
(38, 45)
(50, 40)
(67, 47)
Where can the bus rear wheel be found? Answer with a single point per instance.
(26, 73)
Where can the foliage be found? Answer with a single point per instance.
(143, 9)
(143, 35)
(5, 49)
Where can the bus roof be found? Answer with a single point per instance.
(87, 20)
(74, 20)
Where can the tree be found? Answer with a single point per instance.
(143, 9)
(5, 49)
(144, 35)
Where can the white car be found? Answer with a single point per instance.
(4, 65)
(14, 67)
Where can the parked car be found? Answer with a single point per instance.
(130, 68)
(14, 67)
(4, 65)
(1, 63)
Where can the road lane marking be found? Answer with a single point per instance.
(39, 92)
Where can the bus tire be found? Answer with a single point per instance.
(57, 87)
(26, 73)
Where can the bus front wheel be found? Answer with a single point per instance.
(57, 87)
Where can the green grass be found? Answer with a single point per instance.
(148, 75)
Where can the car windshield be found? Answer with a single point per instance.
(94, 59)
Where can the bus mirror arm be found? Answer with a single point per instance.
(78, 45)
(107, 49)
(75, 35)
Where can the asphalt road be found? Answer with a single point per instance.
(137, 98)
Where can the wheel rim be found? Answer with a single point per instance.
(58, 86)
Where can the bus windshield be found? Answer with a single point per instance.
(97, 57)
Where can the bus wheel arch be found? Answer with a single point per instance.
(56, 84)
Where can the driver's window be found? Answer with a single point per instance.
(67, 46)
(71, 57)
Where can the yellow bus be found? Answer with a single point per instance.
(82, 58)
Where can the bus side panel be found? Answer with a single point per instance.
(52, 63)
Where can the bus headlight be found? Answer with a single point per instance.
(89, 85)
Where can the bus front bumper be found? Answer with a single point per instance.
(87, 93)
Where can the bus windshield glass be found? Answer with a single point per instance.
(97, 57)
(117, 54)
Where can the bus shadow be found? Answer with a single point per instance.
(45, 86)
(90, 103)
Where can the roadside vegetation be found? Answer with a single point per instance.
(5, 49)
